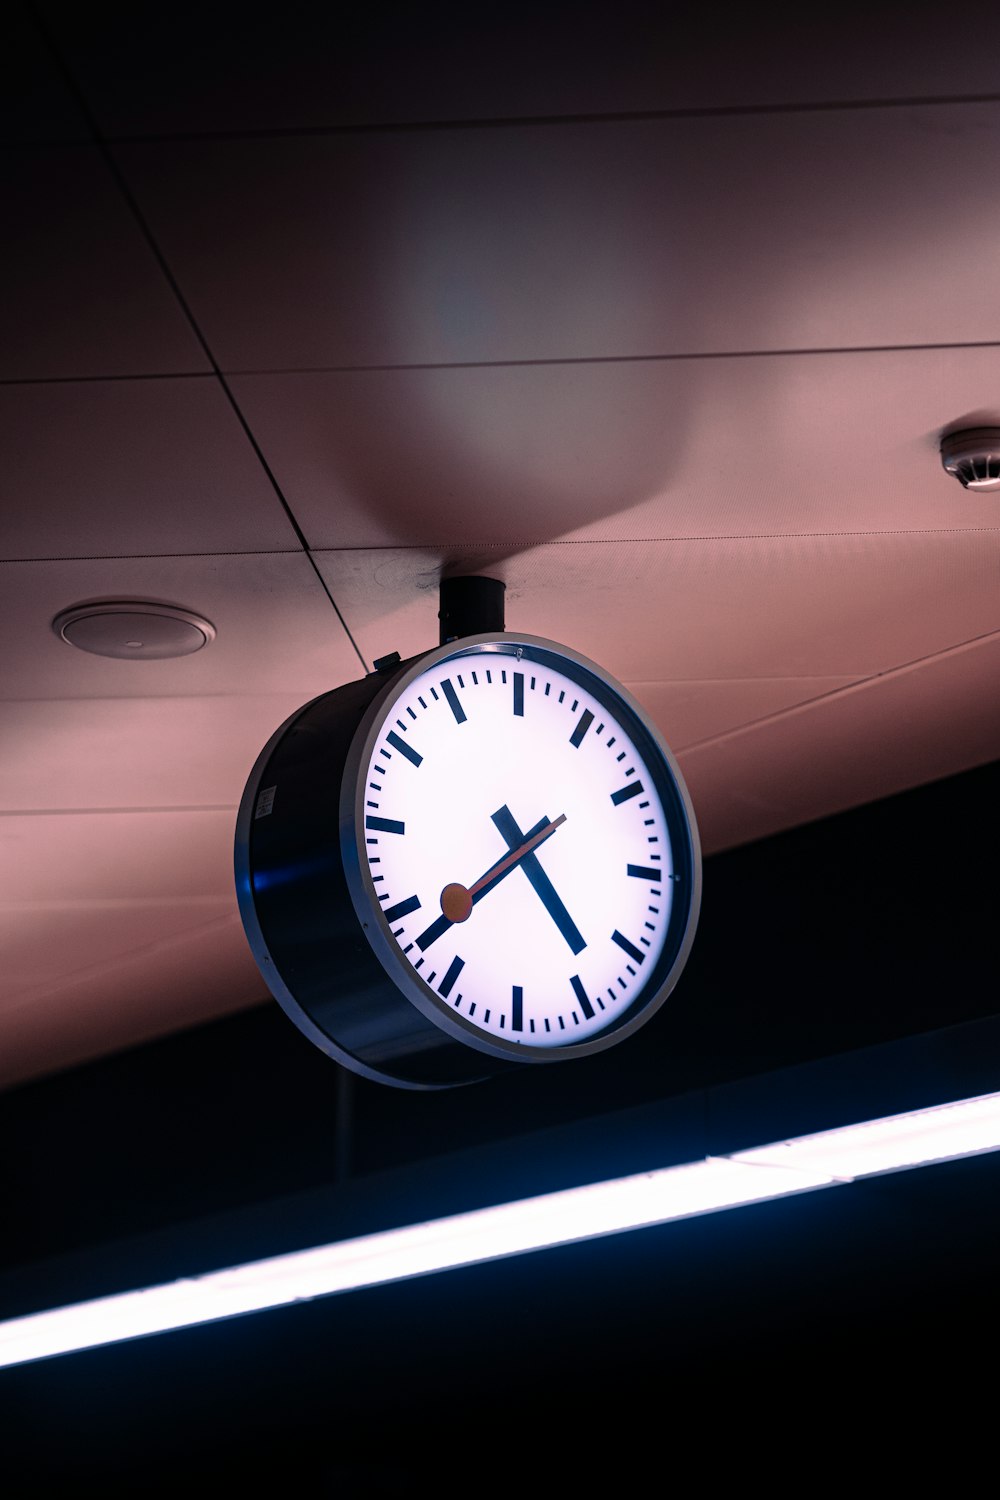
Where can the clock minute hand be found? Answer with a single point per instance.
(457, 900)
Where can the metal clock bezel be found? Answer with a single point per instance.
(677, 807)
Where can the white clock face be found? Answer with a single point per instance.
(519, 848)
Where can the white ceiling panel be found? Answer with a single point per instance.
(183, 68)
(181, 979)
(688, 712)
(276, 630)
(517, 455)
(672, 236)
(851, 747)
(782, 606)
(172, 855)
(108, 468)
(46, 944)
(83, 294)
(111, 753)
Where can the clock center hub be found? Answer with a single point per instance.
(456, 902)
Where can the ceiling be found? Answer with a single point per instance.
(658, 321)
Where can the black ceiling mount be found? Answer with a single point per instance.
(470, 606)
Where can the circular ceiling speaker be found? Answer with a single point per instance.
(133, 630)
(973, 457)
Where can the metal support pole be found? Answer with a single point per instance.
(470, 606)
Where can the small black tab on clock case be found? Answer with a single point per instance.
(386, 663)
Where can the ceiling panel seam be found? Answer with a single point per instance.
(535, 122)
(148, 556)
(132, 205)
(102, 379)
(862, 683)
(87, 812)
(557, 360)
(525, 545)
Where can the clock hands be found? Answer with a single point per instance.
(540, 882)
(458, 900)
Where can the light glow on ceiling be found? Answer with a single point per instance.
(831, 1158)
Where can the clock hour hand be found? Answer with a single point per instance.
(540, 882)
(458, 900)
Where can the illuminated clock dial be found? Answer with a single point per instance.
(520, 848)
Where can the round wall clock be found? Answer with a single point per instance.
(481, 858)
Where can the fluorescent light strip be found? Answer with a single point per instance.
(828, 1159)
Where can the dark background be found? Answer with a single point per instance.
(843, 969)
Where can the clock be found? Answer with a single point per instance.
(478, 859)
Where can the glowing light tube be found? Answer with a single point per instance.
(829, 1159)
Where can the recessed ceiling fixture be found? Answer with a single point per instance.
(133, 629)
(973, 457)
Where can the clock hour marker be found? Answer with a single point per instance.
(519, 694)
(583, 724)
(636, 954)
(402, 908)
(398, 743)
(517, 1009)
(384, 825)
(454, 969)
(582, 996)
(452, 698)
(643, 872)
(624, 793)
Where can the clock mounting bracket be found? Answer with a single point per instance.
(470, 606)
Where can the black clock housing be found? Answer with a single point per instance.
(311, 915)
